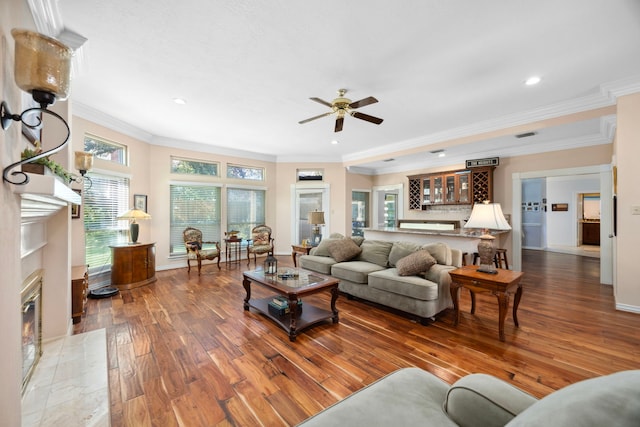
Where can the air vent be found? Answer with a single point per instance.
(389, 160)
(437, 151)
(525, 135)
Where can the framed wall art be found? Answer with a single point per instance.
(140, 202)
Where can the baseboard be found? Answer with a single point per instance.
(629, 308)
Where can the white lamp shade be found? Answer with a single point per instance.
(487, 216)
(134, 214)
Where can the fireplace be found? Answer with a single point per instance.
(31, 295)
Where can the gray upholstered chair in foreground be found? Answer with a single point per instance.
(413, 397)
(197, 249)
(260, 242)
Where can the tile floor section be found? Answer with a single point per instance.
(70, 385)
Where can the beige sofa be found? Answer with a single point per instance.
(400, 275)
(414, 397)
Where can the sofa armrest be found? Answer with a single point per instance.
(483, 400)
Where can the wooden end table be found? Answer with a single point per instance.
(500, 285)
(299, 249)
(307, 283)
(233, 249)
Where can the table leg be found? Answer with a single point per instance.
(473, 301)
(516, 303)
(293, 255)
(247, 287)
(294, 313)
(455, 292)
(503, 307)
(334, 298)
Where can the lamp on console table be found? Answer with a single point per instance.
(134, 228)
(316, 219)
(487, 216)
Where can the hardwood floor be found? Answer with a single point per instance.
(183, 352)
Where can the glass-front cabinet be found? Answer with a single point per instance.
(445, 188)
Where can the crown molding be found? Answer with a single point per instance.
(207, 148)
(103, 119)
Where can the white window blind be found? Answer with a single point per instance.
(103, 202)
(245, 209)
(196, 206)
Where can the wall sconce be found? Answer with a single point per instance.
(134, 227)
(42, 68)
(83, 163)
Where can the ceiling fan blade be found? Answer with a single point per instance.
(316, 117)
(363, 102)
(322, 101)
(339, 122)
(366, 117)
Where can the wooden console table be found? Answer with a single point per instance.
(133, 266)
(79, 291)
(499, 285)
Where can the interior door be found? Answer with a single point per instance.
(308, 200)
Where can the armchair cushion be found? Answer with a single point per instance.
(611, 400)
(483, 400)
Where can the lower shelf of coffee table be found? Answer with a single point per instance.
(311, 315)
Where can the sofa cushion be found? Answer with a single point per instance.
(611, 400)
(376, 252)
(440, 251)
(411, 286)
(343, 249)
(417, 262)
(319, 264)
(354, 271)
(400, 250)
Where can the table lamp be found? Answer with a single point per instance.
(487, 216)
(316, 218)
(133, 215)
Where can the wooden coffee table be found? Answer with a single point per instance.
(500, 285)
(307, 283)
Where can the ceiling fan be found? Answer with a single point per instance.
(342, 106)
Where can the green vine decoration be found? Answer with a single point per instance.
(55, 167)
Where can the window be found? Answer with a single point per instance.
(245, 209)
(245, 172)
(193, 167)
(359, 212)
(107, 197)
(309, 174)
(105, 150)
(196, 206)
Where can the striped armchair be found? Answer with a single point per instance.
(196, 248)
(260, 242)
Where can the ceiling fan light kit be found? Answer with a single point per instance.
(342, 106)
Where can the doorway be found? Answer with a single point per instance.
(604, 182)
(388, 204)
(308, 200)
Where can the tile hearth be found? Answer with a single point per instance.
(70, 385)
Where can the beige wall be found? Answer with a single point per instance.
(627, 153)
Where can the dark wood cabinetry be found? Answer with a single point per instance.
(460, 187)
(591, 233)
(79, 291)
(133, 265)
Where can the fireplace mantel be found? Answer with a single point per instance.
(44, 195)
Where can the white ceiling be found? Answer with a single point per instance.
(441, 69)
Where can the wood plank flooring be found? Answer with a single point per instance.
(183, 352)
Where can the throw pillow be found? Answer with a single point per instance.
(415, 263)
(343, 249)
(323, 247)
(440, 251)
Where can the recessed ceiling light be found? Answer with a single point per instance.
(334, 142)
(533, 80)
(441, 154)
(179, 101)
